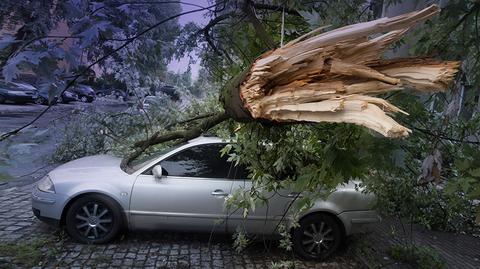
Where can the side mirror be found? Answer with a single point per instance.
(157, 171)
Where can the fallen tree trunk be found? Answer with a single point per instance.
(332, 77)
(328, 77)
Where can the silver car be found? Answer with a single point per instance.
(184, 189)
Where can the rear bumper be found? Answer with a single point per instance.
(358, 221)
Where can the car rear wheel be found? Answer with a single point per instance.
(94, 219)
(84, 99)
(2, 100)
(318, 237)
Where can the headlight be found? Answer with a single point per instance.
(46, 185)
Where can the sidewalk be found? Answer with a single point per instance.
(456, 250)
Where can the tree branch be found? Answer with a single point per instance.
(147, 3)
(180, 135)
(206, 33)
(276, 8)
(443, 137)
(199, 117)
(257, 25)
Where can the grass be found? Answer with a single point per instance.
(23, 253)
(4, 177)
(422, 257)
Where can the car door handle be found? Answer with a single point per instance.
(295, 195)
(219, 193)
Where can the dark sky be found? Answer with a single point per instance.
(199, 18)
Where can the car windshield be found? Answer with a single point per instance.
(143, 160)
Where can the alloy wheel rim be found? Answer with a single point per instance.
(93, 220)
(317, 238)
(84, 99)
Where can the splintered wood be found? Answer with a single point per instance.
(332, 77)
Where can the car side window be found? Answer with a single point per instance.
(198, 161)
(238, 172)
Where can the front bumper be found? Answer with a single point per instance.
(358, 221)
(69, 98)
(48, 207)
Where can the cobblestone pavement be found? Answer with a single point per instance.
(26, 242)
(459, 251)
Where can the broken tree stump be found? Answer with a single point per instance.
(334, 77)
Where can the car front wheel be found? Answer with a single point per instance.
(94, 219)
(318, 237)
(2, 99)
(41, 101)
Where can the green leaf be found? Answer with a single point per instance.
(474, 172)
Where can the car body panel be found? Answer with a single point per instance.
(69, 96)
(84, 91)
(18, 92)
(178, 208)
(96, 174)
(265, 218)
(187, 203)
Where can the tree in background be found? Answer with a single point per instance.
(61, 40)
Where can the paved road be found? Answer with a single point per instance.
(13, 116)
(142, 250)
(28, 153)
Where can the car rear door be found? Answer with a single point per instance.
(190, 195)
(266, 216)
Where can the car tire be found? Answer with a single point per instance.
(318, 237)
(2, 100)
(94, 219)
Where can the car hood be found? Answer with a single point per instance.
(89, 168)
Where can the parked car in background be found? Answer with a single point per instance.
(116, 93)
(184, 188)
(147, 102)
(168, 90)
(67, 97)
(17, 92)
(42, 99)
(85, 93)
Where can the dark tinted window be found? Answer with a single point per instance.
(198, 161)
(238, 172)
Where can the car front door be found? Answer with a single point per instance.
(190, 194)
